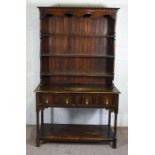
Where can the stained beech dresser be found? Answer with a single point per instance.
(77, 53)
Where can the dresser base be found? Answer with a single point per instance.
(76, 133)
(81, 97)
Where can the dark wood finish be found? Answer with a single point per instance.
(77, 70)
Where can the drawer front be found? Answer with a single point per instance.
(65, 99)
(46, 99)
(86, 100)
(105, 100)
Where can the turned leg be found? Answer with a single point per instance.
(37, 129)
(115, 131)
(42, 122)
(109, 122)
(42, 117)
(109, 118)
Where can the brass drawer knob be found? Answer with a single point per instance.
(46, 100)
(67, 101)
(87, 101)
(106, 102)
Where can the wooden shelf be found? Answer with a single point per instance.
(76, 133)
(77, 55)
(78, 74)
(76, 35)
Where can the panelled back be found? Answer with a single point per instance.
(77, 46)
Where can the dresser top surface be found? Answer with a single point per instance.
(68, 88)
(77, 7)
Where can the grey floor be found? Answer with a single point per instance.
(76, 149)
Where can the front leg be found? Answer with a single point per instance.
(42, 117)
(115, 131)
(37, 129)
(109, 122)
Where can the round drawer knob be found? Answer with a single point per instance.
(67, 101)
(106, 102)
(46, 100)
(87, 101)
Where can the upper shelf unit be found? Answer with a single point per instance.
(77, 45)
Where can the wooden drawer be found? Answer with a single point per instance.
(46, 99)
(65, 99)
(98, 99)
(106, 100)
(86, 100)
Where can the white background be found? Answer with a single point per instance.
(89, 116)
(141, 77)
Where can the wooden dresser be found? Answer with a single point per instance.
(77, 71)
